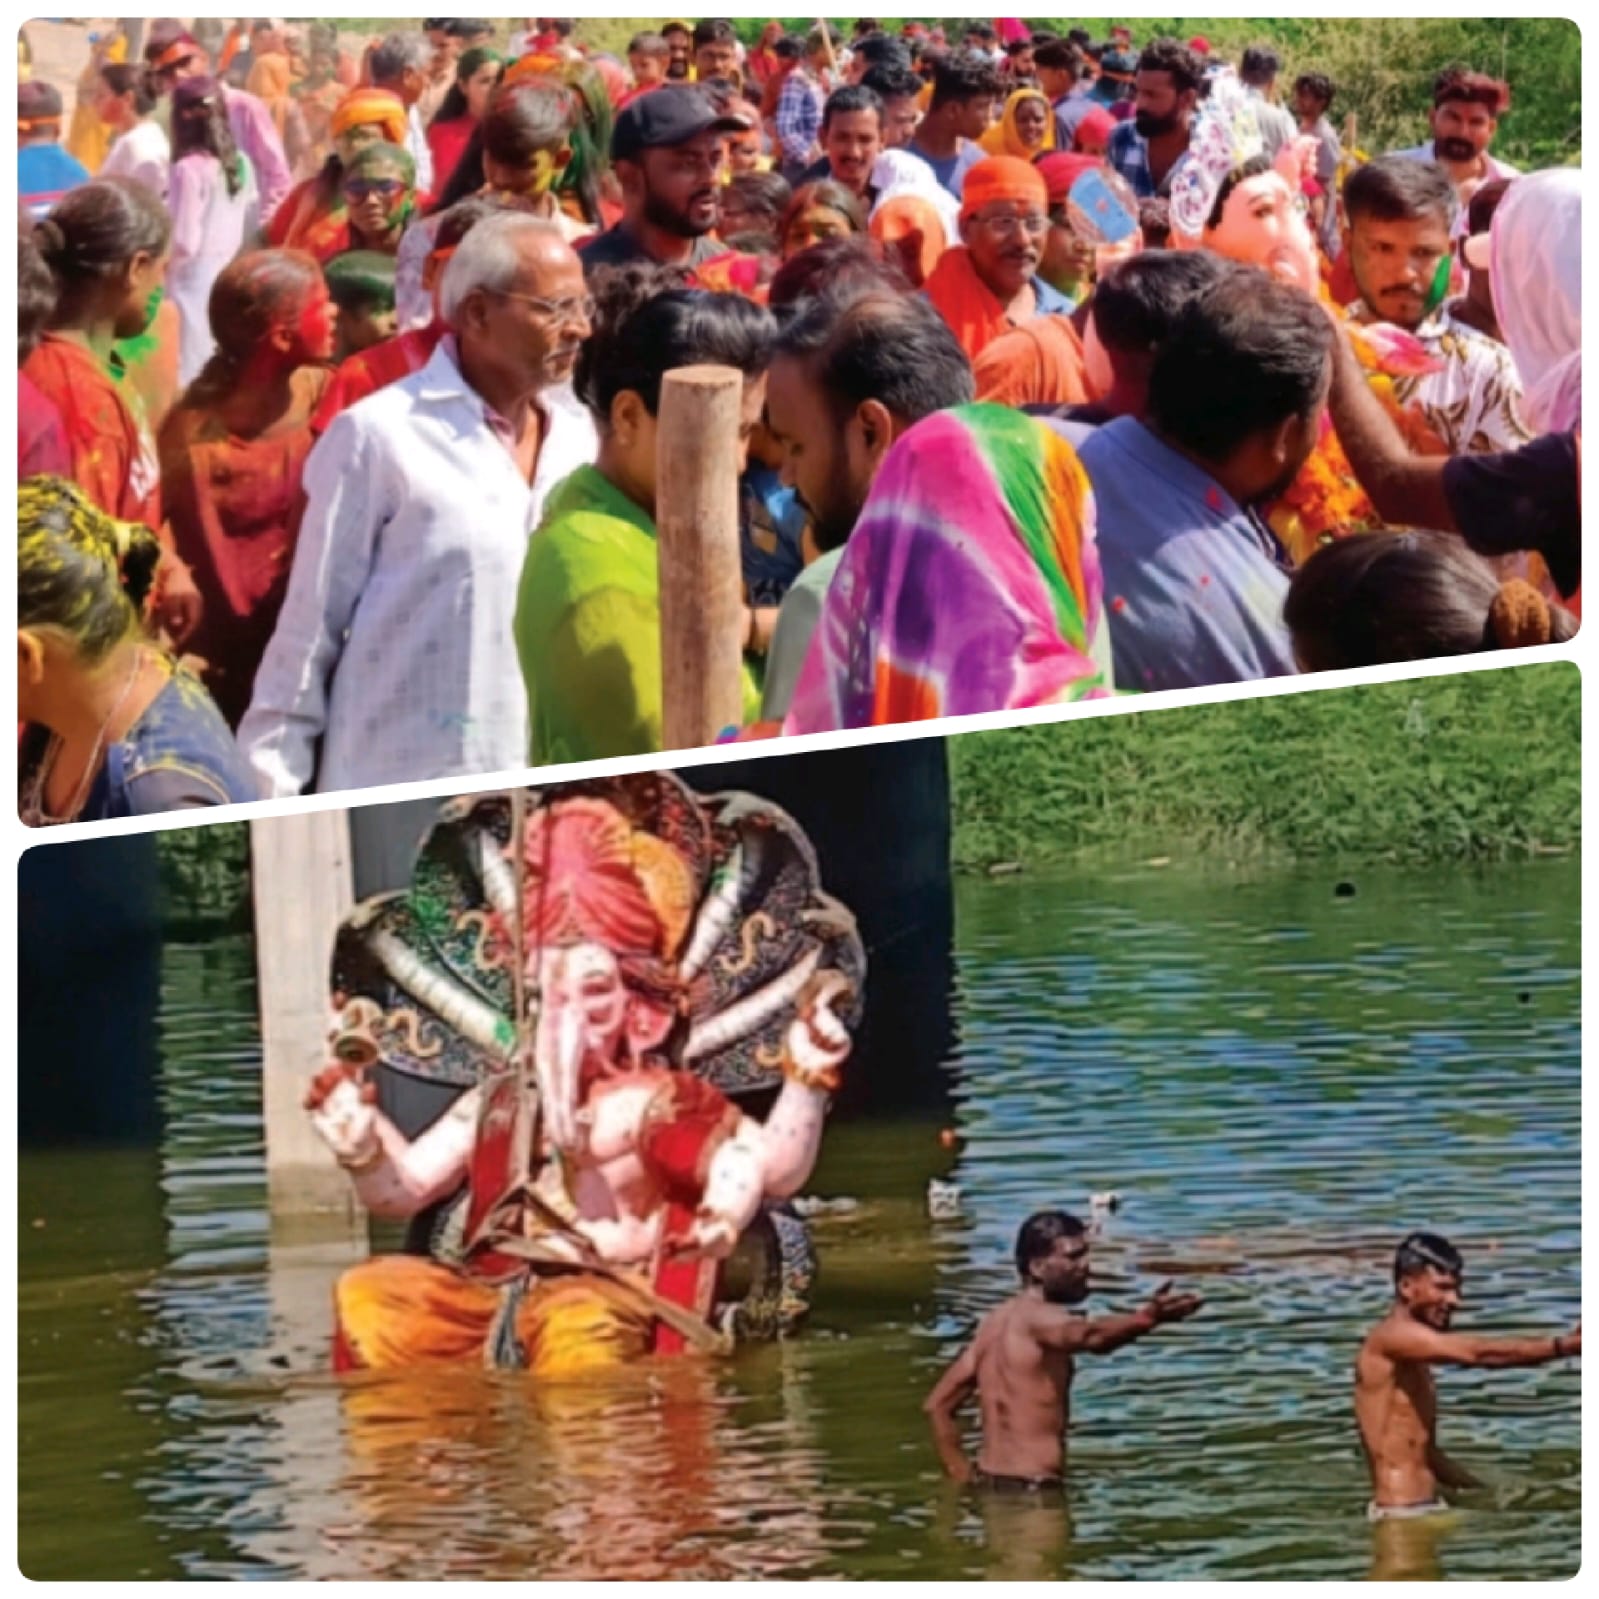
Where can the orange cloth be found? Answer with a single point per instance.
(915, 231)
(269, 82)
(965, 302)
(1004, 138)
(402, 1310)
(1003, 177)
(1039, 364)
(361, 107)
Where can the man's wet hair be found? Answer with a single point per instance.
(1393, 188)
(1139, 301)
(1038, 1236)
(1419, 1251)
(1247, 354)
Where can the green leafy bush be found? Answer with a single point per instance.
(1484, 766)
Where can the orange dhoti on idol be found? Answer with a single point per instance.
(605, 969)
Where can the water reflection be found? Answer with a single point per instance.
(1278, 1085)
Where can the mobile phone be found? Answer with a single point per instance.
(1101, 210)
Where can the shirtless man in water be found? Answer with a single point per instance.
(1020, 1364)
(1396, 1403)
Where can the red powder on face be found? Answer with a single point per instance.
(316, 327)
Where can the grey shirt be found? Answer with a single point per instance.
(791, 642)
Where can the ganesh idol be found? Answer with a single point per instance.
(1231, 198)
(645, 1001)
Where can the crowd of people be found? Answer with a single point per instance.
(1070, 367)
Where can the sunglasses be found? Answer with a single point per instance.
(364, 188)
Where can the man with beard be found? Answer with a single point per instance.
(395, 649)
(1466, 107)
(1150, 150)
(679, 52)
(852, 136)
(1396, 1403)
(1021, 1363)
(989, 283)
(1194, 579)
(1400, 215)
(667, 151)
(848, 377)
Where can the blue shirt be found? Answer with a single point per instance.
(771, 535)
(1127, 151)
(179, 755)
(1194, 583)
(951, 171)
(1069, 112)
(44, 173)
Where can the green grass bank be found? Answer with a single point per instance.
(1475, 768)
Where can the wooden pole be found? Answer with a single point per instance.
(702, 587)
(302, 891)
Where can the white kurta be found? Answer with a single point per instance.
(395, 646)
(209, 227)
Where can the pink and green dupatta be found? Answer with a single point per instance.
(970, 583)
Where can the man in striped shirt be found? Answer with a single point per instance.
(799, 109)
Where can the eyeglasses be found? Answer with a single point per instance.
(562, 311)
(1006, 224)
(383, 188)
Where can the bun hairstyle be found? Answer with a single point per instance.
(95, 230)
(1379, 597)
(648, 322)
(254, 294)
(81, 574)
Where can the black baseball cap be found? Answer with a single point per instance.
(671, 114)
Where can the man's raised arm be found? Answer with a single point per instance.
(1410, 1340)
(1407, 489)
(1102, 1335)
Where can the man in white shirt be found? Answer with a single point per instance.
(1466, 107)
(394, 648)
(401, 63)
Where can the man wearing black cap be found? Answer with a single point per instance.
(667, 150)
(44, 170)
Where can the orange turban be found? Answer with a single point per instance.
(1003, 177)
(533, 66)
(361, 108)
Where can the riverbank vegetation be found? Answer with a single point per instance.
(1480, 767)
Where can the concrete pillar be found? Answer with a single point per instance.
(302, 891)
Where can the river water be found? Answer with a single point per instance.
(1278, 1082)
